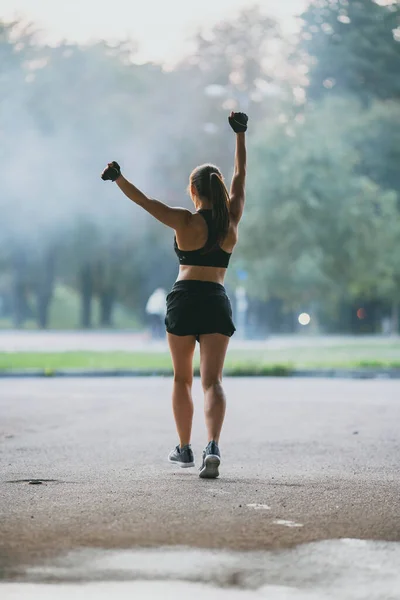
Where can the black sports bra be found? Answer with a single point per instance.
(199, 258)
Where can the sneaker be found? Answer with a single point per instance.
(211, 461)
(182, 456)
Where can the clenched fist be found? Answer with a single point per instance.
(111, 172)
(238, 121)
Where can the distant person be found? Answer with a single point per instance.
(155, 308)
(198, 307)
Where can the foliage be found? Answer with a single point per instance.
(353, 48)
(321, 226)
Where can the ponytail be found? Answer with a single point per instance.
(210, 185)
(220, 200)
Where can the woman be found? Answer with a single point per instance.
(197, 306)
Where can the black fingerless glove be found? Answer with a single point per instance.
(238, 122)
(111, 172)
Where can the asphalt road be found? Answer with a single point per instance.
(302, 460)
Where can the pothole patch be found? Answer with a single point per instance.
(35, 481)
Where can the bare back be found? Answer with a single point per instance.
(193, 237)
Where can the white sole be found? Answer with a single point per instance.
(211, 467)
(181, 465)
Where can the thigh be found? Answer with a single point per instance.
(182, 350)
(213, 349)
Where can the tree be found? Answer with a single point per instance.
(376, 136)
(69, 109)
(311, 221)
(353, 48)
(227, 70)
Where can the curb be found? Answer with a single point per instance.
(49, 374)
(316, 373)
(365, 373)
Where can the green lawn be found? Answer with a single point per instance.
(258, 361)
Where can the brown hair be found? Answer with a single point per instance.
(209, 183)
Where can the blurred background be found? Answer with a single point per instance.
(150, 85)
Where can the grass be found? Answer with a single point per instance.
(238, 362)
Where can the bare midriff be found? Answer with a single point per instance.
(214, 274)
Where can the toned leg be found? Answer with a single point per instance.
(213, 349)
(182, 350)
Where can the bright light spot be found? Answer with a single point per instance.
(299, 95)
(326, 28)
(262, 85)
(329, 83)
(361, 313)
(304, 319)
(344, 19)
(214, 91)
(236, 77)
(229, 104)
(256, 96)
(271, 89)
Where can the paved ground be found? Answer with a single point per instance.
(303, 460)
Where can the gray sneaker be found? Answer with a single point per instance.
(211, 461)
(182, 456)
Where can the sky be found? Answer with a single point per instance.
(161, 27)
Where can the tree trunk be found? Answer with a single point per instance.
(106, 307)
(395, 318)
(86, 289)
(19, 303)
(45, 289)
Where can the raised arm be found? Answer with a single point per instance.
(238, 122)
(168, 215)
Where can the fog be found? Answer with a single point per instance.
(74, 252)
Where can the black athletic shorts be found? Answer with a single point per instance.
(198, 307)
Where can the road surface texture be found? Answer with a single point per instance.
(302, 461)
